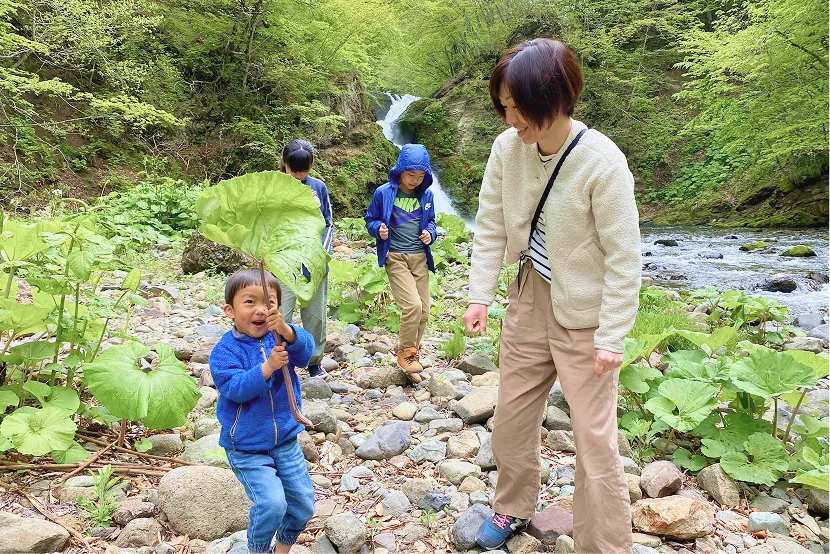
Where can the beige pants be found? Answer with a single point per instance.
(534, 351)
(409, 279)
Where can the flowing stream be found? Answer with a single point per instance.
(703, 255)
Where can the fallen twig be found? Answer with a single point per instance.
(42, 509)
(137, 453)
(117, 468)
(89, 461)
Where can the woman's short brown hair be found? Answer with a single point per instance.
(543, 77)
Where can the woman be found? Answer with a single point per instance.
(575, 297)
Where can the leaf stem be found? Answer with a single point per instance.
(792, 416)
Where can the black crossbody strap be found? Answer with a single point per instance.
(552, 179)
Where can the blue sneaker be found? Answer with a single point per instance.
(317, 371)
(495, 529)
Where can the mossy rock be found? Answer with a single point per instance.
(666, 242)
(800, 251)
(200, 254)
(750, 246)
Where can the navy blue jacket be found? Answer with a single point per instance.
(321, 193)
(254, 412)
(412, 157)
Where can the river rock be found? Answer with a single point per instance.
(562, 441)
(396, 504)
(405, 411)
(381, 378)
(557, 398)
(139, 532)
(666, 242)
(203, 502)
(485, 459)
(133, 508)
(463, 445)
(522, 543)
(564, 545)
(348, 353)
(388, 441)
(206, 426)
(26, 534)
(673, 516)
(809, 344)
(433, 451)
(750, 246)
(316, 388)
(765, 503)
(799, 251)
(635, 493)
(767, 521)
(165, 444)
(551, 522)
(820, 332)
(719, 485)
(810, 321)
(201, 254)
(202, 353)
(206, 451)
(346, 531)
(450, 425)
(456, 471)
(779, 283)
(557, 420)
(477, 364)
(321, 416)
(477, 406)
(464, 530)
(817, 501)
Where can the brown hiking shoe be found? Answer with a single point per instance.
(408, 360)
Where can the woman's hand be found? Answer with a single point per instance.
(605, 361)
(475, 319)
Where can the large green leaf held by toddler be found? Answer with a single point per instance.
(274, 218)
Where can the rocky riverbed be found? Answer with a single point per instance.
(397, 467)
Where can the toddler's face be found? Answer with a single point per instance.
(410, 180)
(249, 310)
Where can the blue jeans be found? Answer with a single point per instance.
(278, 483)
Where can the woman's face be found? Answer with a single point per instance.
(529, 133)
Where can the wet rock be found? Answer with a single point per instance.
(779, 283)
(666, 242)
(799, 251)
(673, 516)
(750, 246)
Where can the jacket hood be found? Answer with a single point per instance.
(412, 157)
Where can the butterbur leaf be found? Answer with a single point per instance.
(37, 389)
(792, 398)
(635, 377)
(814, 478)
(32, 352)
(38, 432)
(811, 427)
(686, 459)
(719, 337)
(764, 461)
(80, 263)
(713, 448)
(5, 444)
(20, 242)
(820, 363)
(682, 403)
(24, 319)
(274, 218)
(769, 373)
(641, 347)
(72, 455)
(7, 398)
(63, 398)
(143, 445)
(162, 398)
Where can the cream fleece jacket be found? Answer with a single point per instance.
(593, 235)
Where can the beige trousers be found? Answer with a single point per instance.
(534, 351)
(409, 279)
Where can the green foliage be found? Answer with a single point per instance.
(360, 293)
(99, 509)
(272, 217)
(162, 397)
(454, 347)
(355, 229)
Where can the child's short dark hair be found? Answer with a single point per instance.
(298, 155)
(247, 277)
(543, 77)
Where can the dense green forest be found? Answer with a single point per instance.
(719, 104)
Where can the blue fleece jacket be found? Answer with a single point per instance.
(412, 157)
(254, 412)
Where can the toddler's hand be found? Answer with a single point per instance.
(275, 322)
(425, 237)
(278, 357)
(383, 231)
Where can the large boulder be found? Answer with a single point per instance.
(203, 502)
(201, 254)
(673, 516)
(27, 534)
